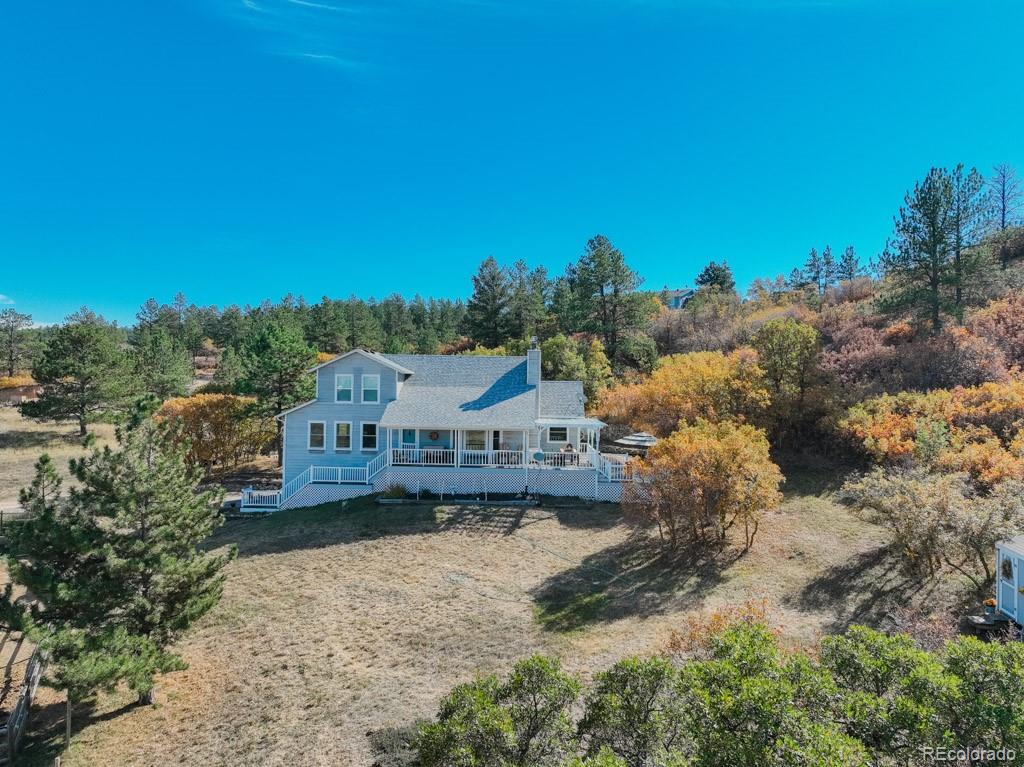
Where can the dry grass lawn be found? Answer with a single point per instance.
(22, 442)
(339, 625)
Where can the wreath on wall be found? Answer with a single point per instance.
(433, 436)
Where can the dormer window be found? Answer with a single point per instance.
(343, 387)
(371, 388)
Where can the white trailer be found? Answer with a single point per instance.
(1010, 578)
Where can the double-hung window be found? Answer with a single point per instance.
(371, 388)
(342, 435)
(476, 440)
(317, 435)
(558, 434)
(343, 387)
(369, 437)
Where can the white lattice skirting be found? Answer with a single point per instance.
(567, 483)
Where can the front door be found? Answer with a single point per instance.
(1011, 578)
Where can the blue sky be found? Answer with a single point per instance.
(243, 149)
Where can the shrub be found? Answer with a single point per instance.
(521, 722)
(860, 698)
(15, 381)
(221, 429)
(686, 387)
(396, 491)
(702, 480)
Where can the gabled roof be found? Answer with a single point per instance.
(371, 355)
(469, 392)
(462, 392)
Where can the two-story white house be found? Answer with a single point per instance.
(450, 425)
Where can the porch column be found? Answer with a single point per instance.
(458, 451)
(526, 448)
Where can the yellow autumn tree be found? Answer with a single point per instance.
(703, 480)
(222, 430)
(685, 388)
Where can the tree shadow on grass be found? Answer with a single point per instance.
(632, 578)
(364, 519)
(43, 739)
(35, 440)
(863, 589)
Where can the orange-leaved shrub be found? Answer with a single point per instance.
(222, 430)
(684, 388)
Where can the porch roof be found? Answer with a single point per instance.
(570, 422)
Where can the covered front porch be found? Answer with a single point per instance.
(559, 446)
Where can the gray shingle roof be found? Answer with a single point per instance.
(462, 392)
(561, 399)
(454, 391)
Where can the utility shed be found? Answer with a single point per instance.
(1010, 578)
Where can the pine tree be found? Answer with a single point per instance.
(12, 347)
(814, 270)
(849, 266)
(527, 304)
(1005, 196)
(487, 310)
(365, 331)
(716, 276)
(607, 291)
(829, 269)
(327, 328)
(229, 373)
(85, 374)
(116, 565)
(162, 364)
(971, 266)
(916, 262)
(276, 359)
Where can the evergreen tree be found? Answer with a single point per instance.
(1005, 196)
(85, 374)
(970, 269)
(116, 565)
(396, 322)
(849, 266)
(829, 269)
(607, 290)
(327, 329)
(716, 276)
(365, 331)
(162, 364)
(230, 372)
(276, 360)
(487, 310)
(916, 263)
(527, 300)
(12, 338)
(814, 271)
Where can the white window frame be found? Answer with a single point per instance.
(362, 437)
(362, 389)
(343, 449)
(309, 435)
(564, 428)
(351, 388)
(465, 439)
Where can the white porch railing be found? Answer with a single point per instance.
(491, 458)
(376, 466)
(263, 499)
(560, 460)
(422, 456)
(338, 474)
